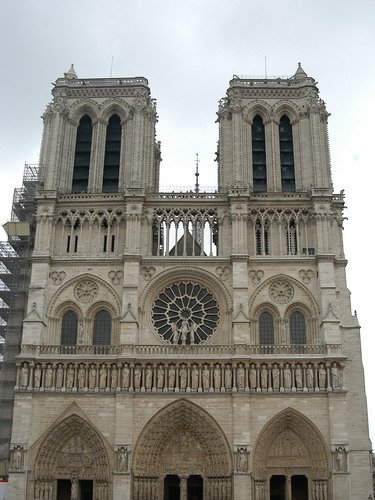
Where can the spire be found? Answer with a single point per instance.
(300, 73)
(196, 173)
(71, 74)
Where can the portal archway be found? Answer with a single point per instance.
(182, 440)
(290, 457)
(72, 462)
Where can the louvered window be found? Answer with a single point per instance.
(82, 156)
(259, 155)
(112, 155)
(288, 182)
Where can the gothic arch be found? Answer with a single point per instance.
(115, 107)
(87, 107)
(72, 448)
(156, 452)
(260, 108)
(287, 108)
(290, 441)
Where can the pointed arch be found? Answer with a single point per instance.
(290, 437)
(182, 418)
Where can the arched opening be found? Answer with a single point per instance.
(102, 328)
(195, 488)
(266, 330)
(182, 440)
(297, 328)
(290, 456)
(82, 155)
(259, 155)
(69, 327)
(171, 487)
(112, 155)
(288, 182)
(71, 463)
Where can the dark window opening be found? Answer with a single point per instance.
(68, 244)
(300, 490)
(171, 487)
(259, 155)
(75, 243)
(112, 155)
(86, 490)
(297, 327)
(278, 488)
(266, 331)
(113, 243)
(82, 156)
(288, 183)
(69, 327)
(105, 243)
(102, 328)
(195, 488)
(64, 489)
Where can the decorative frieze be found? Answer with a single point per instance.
(189, 376)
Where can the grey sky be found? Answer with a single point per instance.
(189, 50)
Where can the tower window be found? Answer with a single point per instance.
(297, 327)
(102, 328)
(259, 155)
(82, 156)
(69, 326)
(288, 182)
(262, 237)
(266, 332)
(112, 155)
(291, 237)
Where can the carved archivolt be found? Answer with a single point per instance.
(72, 448)
(182, 438)
(290, 437)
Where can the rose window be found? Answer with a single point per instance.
(185, 313)
(281, 292)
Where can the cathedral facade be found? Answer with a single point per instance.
(188, 346)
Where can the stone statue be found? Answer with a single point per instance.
(184, 331)
(114, 376)
(322, 375)
(241, 378)
(17, 458)
(74, 489)
(70, 377)
(59, 376)
(48, 376)
(103, 377)
(175, 333)
(37, 376)
(217, 377)
(228, 377)
(183, 377)
(148, 382)
(206, 378)
(160, 377)
(137, 377)
(242, 464)
(92, 377)
(81, 375)
(194, 377)
(193, 329)
(309, 377)
(171, 377)
(263, 377)
(125, 376)
(24, 378)
(253, 378)
(275, 378)
(287, 377)
(298, 373)
(336, 383)
(340, 459)
(122, 459)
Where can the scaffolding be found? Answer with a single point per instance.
(14, 283)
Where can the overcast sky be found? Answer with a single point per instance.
(189, 50)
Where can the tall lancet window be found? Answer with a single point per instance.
(69, 327)
(82, 156)
(102, 328)
(288, 181)
(112, 155)
(259, 155)
(266, 333)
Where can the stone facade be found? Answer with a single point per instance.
(189, 345)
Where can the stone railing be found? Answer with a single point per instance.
(180, 376)
(195, 351)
